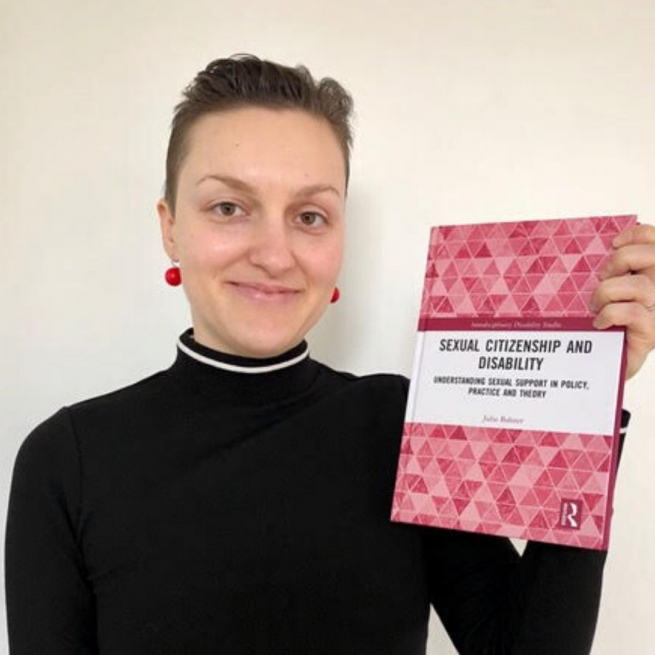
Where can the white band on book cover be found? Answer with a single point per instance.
(557, 381)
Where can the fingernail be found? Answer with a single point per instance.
(622, 238)
(598, 323)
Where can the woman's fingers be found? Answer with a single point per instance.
(644, 233)
(640, 330)
(635, 252)
(626, 293)
(629, 259)
(628, 314)
(638, 288)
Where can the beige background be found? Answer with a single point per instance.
(467, 110)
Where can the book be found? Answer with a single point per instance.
(514, 403)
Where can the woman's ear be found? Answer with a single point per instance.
(167, 224)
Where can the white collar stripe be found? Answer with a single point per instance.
(241, 369)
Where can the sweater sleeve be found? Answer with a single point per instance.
(493, 601)
(50, 605)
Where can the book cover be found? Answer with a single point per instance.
(515, 399)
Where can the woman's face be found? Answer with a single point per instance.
(258, 227)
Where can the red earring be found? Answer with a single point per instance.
(173, 276)
(335, 295)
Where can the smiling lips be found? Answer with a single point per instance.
(272, 293)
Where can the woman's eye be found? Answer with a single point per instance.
(227, 209)
(312, 219)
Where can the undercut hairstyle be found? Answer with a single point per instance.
(246, 81)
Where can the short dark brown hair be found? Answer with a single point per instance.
(247, 81)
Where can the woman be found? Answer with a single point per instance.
(238, 502)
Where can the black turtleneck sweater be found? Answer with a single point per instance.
(240, 507)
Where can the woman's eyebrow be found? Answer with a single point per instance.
(313, 189)
(228, 180)
(240, 185)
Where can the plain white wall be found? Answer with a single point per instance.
(466, 111)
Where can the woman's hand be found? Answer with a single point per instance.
(626, 293)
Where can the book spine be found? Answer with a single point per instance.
(413, 386)
(615, 449)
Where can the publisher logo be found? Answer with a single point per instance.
(570, 515)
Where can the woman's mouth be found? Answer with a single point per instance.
(268, 293)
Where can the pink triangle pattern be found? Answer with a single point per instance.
(504, 482)
(541, 268)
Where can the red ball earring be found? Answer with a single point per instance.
(173, 276)
(335, 295)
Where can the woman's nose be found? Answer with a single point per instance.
(271, 247)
